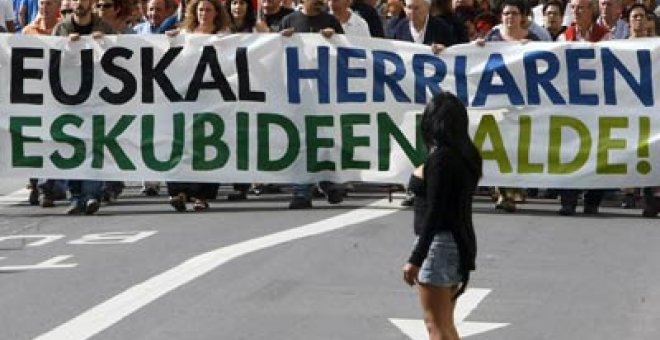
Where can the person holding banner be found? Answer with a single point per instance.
(514, 14)
(159, 18)
(45, 192)
(116, 13)
(422, 28)
(312, 18)
(206, 17)
(445, 250)
(201, 17)
(419, 27)
(353, 24)
(638, 29)
(85, 194)
(584, 28)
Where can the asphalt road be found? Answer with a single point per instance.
(256, 270)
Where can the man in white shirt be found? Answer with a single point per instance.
(7, 16)
(352, 24)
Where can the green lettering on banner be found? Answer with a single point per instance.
(79, 149)
(242, 140)
(386, 129)
(264, 163)
(18, 157)
(349, 141)
(606, 143)
(557, 124)
(488, 128)
(314, 143)
(148, 147)
(524, 142)
(100, 140)
(214, 140)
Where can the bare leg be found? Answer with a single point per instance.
(438, 308)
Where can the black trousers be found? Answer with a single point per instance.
(206, 191)
(592, 197)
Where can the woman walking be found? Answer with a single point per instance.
(445, 250)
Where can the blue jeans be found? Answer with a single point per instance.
(53, 187)
(84, 190)
(303, 191)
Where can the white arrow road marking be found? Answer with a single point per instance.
(416, 330)
(104, 315)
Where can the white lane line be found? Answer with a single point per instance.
(16, 197)
(104, 315)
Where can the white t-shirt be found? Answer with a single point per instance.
(356, 26)
(6, 12)
(418, 36)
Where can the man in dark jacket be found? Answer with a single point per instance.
(370, 15)
(85, 194)
(420, 27)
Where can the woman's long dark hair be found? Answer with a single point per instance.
(445, 125)
(249, 21)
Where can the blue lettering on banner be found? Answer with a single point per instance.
(495, 64)
(460, 65)
(535, 79)
(392, 79)
(642, 89)
(422, 82)
(344, 72)
(294, 74)
(577, 74)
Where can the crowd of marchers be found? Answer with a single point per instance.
(436, 23)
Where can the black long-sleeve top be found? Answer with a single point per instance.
(444, 202)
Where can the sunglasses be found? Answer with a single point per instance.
(105, 5)
(66, 11)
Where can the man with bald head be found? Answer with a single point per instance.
(161, 17)
(420, 27)
(610, 17)
(584, 28)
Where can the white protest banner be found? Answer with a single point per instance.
(266, 108)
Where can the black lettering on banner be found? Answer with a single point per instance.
(130, 84)
(157, 73)
(86, 77)
(209, 59)
(244, 91)
(17, 93)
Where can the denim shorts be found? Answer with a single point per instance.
(442, 264)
